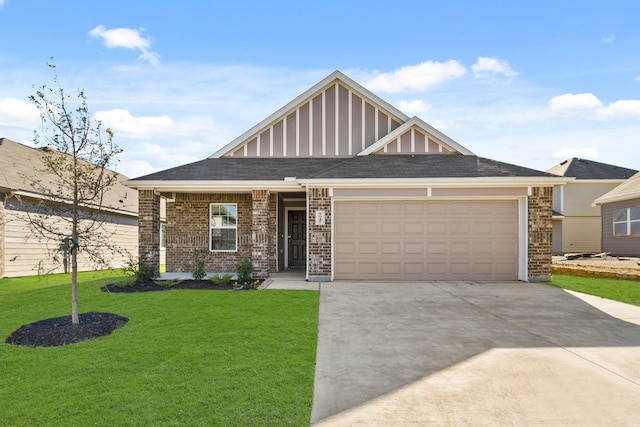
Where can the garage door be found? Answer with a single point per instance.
(418, 240)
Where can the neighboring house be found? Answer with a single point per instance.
(576, 222)
(21, 253)
(621, 218)
(345, 186)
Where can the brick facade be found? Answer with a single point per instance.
(188, 230)
(149, 226)
(540, 233)
(319, 235)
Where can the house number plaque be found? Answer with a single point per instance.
(320, 217)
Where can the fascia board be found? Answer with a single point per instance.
(209, 186)
(425, 127)
(437, 182)
(599, 181)
(621, 198)
(38, 196)
(321, 85)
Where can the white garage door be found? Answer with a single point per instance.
(419, 240)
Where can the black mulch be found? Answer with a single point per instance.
(60, 331)
(150, 286)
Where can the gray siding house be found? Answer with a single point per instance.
(576, 221)
(621, 218)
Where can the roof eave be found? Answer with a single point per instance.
(194, 186)
(614, 199)
(437, 182)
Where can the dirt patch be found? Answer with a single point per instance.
(60, 331)
(615, 267)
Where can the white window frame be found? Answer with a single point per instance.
(222, 227)
(628, 221)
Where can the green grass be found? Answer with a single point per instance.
(186, 357)
(627, 291)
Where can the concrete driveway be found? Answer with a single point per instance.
(481, 354)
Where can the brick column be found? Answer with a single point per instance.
(260, 234)
(149, 226)
(540, 234)
(319, 237)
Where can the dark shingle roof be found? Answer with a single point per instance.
(373, 166)
(589, 169)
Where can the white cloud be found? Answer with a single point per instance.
(144, 127)
(608, 39)
(415, 77)
(1, 3)
(414, 107)
(18, 114)
(492, 67)
(624, 108)
(126, 38)
(570, 101)
(583, 153)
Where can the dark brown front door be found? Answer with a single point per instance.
(297, 249)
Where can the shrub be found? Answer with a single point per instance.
(198, 264)
(219, 280)
(141, 268)
(244, 270)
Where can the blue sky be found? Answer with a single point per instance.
(530, 84)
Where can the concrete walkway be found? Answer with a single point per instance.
(291, 280)
(456, 354)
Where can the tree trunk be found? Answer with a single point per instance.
(74, 284)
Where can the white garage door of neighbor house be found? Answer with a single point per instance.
(426, 240)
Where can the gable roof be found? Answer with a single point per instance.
(305, 97)
(590, 169)
(630, 189)
(416, 123)
(19, 160)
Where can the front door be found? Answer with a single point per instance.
(297, 239)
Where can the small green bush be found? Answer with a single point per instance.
(198, 264)
(244, 270)
(141, 268)
(219, 280)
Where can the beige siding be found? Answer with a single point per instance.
(579, 197)
(413, 141)
(581, 234)
(26, 255)
(557, 198)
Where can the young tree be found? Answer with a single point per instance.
(72, 177)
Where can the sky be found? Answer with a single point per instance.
(528, 83)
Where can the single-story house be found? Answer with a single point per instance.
(24, 254)
(342, 184)
(621, 218)
(576, 221)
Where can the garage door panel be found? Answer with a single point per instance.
(426, 240)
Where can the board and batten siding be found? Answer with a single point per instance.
(618, 245)
(335, 123)
(26, 255)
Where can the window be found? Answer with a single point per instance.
(626, 222)
(223, 224)
(163, 235)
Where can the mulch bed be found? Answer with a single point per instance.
(60, 331)
(151, 286)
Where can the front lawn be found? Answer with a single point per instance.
(627, 291)
(186, 357)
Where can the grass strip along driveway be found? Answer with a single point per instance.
(186, 357)
(627, 291)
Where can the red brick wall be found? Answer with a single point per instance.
(188, 230)
(319, 235)
(540, 234)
